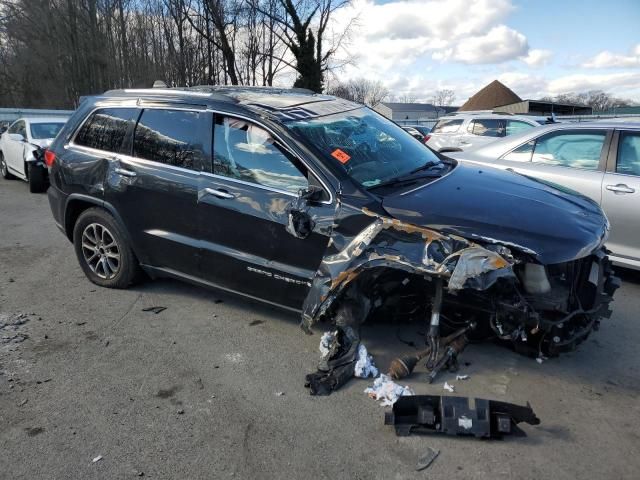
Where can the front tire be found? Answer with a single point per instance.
(4, 170)
(104, 251)
(37, 178)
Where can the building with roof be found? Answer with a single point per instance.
(493, 95)
(543, 107)
(411, 112)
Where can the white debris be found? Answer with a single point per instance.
(326, 341)
(465, 422)
(97, 459)
(364, 365)
(387, 390)
(462, 377)
(449, 388)
(541, 359)
(280, 394)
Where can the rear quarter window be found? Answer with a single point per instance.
(447, 126)
(106, 129)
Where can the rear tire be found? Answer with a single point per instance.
(4, 170)
(103, 250)
(37, 178)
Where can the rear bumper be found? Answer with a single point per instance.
(57, 202)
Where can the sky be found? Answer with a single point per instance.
(536, 47)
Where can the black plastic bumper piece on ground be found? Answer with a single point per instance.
(458, 416)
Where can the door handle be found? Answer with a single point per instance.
(620, 188)
(124, 172)
(219, 193)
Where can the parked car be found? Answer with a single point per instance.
(22, 147)
(323, 206)
(413, 132)
(421, 132)
(599, 160)
(464, 131)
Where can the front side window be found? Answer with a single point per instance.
(174, 137)
(517, 126)
(244, 151)
(107, 129)
(629, 153)
(570, 149)
(447, 126)
(45, 130)
(489, 127)
(521, 154)
(369, 147)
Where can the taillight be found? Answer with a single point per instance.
(426, 138)
(49, 158)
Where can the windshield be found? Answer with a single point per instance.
(45, 130)
(369, 147)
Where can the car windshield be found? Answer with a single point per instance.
(372, 149)
(45, 130)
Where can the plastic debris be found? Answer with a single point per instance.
(427, 459)
(23, 402)
(462, 377)
(541, 359)
(155, 310)
(449, 388)
(364, 365)
(280, 394)
(326, 341)
(97, 459)
(387, 391)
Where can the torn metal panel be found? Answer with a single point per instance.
(458, 416)
(391, 243)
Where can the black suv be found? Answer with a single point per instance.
(312, 202)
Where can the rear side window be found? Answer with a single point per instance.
(489, 127)
(516, 126)
(107, 128)
(521, 154)
(174, 137)
(570, 149)
(447, 126)
(246, 152)
(629, 154)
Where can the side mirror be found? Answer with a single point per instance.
(313, 193)
(17, 137)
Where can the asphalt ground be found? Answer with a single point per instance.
(212, 387)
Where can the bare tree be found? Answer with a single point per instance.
(443, 98)
(361, 90)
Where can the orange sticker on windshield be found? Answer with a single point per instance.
(340, 156)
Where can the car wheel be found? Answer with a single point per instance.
(37, 178)
(103, 250)
(4, 171)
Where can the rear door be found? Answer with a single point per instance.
(154, 186)
(621, 195)
(445, 133)
(572, 158)
(243, 212)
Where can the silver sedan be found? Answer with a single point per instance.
(600, 160)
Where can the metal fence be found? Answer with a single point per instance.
(629, 117)
(12, 114)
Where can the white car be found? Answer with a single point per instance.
(463, 131)
(21, 148)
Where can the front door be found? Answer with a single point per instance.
(621, 197)
(14, 149)
(244, 212)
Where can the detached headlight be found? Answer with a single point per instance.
(534, 279)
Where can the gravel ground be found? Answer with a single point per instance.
(212, 387)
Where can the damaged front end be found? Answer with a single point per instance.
(394, 269)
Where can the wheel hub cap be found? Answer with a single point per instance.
(101, 251)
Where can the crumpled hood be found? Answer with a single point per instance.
(484, 203)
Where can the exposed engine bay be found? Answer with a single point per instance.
(460, 290)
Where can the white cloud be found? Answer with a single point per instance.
(498, 45)
(607, 82)
(537, 57)
(607, 59)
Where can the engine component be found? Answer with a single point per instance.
(458, 416)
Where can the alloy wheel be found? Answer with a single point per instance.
(101, 251)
